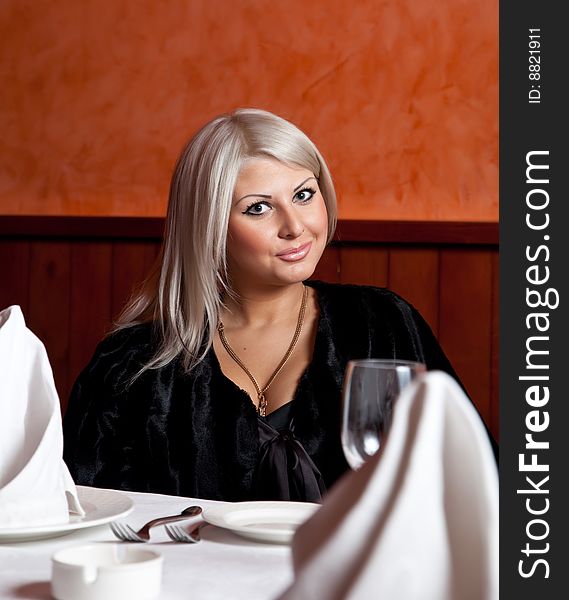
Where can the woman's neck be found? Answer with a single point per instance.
(261, 307)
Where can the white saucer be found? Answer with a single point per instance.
(273, 522)
(101, 506)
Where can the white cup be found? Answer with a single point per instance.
(106, 572)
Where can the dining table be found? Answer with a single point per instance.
(222, 565)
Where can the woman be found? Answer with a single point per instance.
(223, 377)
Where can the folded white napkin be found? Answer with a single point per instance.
(35, 485)
(419, 521)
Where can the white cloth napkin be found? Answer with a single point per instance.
(35, 485)
(419, 521)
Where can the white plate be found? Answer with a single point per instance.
(262, 521)
(100, 506)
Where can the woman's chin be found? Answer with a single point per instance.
(296, 273)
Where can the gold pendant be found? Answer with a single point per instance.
(262, 405)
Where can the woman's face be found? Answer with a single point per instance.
(278, 225)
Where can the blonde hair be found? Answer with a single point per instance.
(182, 296)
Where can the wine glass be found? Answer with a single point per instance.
(370, 389)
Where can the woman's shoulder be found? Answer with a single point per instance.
(349, 293)
(124, 350)
(133, 338)
(365, 306)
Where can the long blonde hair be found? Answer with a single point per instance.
(182, 296)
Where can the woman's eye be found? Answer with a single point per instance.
(305, 195)
(259, 208)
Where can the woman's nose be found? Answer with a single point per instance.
(291, 226)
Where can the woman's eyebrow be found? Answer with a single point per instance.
(301, 184)
(269, 196)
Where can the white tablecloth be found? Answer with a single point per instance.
(222, 565)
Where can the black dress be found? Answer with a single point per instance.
(199, 435)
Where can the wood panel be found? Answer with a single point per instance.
(465, 319)
(91, 293)
(494, 423)
(48, 312)
(414, 274)
(364, 265)
(417, 232)
(328, 269)
(81, 228)
(131, 264)
(14, 274)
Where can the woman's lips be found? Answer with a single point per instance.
(294, 254)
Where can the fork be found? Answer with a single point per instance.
(177, 534)
(127, 534)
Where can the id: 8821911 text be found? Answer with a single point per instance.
(534, 69)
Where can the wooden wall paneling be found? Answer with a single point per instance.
(106, 257)
(414, 274)
(90, 314)
(328, 268)
(14, 274)
(495, 359)
(364, 264)
(465, 319)
(131, 264)
(49, 305)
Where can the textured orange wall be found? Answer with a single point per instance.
(98, 97)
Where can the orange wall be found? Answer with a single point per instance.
(401, 96)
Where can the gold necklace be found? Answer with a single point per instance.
(262, 408)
